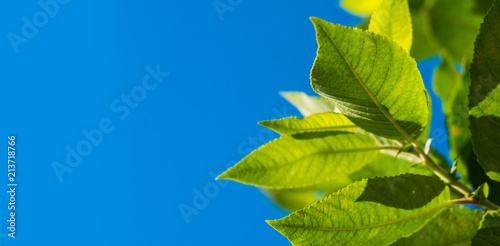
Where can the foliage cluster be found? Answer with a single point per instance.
(358, 168)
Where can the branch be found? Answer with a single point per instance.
(453, 182)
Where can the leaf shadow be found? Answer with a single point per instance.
(481, 89)
(405, 192)
(477, 176)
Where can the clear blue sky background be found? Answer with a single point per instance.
(224, 76)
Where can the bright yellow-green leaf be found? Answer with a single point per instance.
(319, 122)
(371, 80)
(305, 159)
(360, 7)
(392, 20)
(484, 95)
(369, 212)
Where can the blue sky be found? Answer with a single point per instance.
(157, 97)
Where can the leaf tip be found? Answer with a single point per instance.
(224, 175)
(272, 223)
(263, 123)
(315, 20)
(275, 224)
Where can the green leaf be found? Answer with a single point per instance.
(453, 88)
(305, 159)
(372, 81)
(309, 104)
(484, 96)
(475, 172)
(455, 25)
(439, 26)
(364, 24)
(319, 122)
(298, 198)
(454, 226)
(482, 192)
(383, 165)
(360, 7)
(425, 43)
(387, 165)
(482, 6)
(408, 147)
(369, 212)
(392, 20)
(489, 231)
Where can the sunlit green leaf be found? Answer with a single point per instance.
(392, 20)
(369, 212)
(319, 122)
(360, 7)
(484, 95)
(372, 80)
(454, 226)
(305, 159)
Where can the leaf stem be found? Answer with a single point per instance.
(484, 203)
(453, 182)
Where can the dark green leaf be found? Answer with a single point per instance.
(455, 25)
(425, 43)
(489, 231)
(484, 96)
